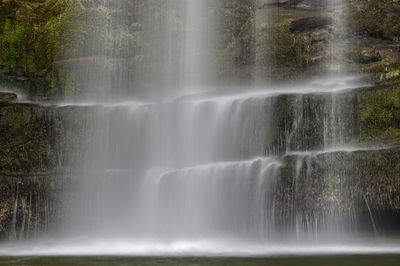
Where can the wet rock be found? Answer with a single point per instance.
(8, 97)
(310, 23)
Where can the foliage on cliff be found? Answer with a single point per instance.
(26, 134)
(36, 34)
(377, 18)
(32, 35)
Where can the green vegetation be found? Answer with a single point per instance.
(36, 34)
(379, 114)
(36, 139)
(390, 75)
(26, 135)
(378, 19)
(31, 36)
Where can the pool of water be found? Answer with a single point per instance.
(353, 260)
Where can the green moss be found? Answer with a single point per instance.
(379, 114)
(12, 47)
(25, 137)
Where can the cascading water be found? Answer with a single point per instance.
(199, 165)
(197, 169)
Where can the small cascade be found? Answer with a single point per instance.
(370, 214)
(238, 201)
(323, 218)
(14, 216)
(29, 218)
(33, 209)
(22, 230)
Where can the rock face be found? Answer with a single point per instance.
(356, 188)
(308, 43)
(311, 122)
(30, 204)
(365, 115)
(37, 151)
(306, 30)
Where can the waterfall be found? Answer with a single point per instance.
(200, 128)
(176, 159)
(194, 43)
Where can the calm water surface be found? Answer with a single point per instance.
(364, 260)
